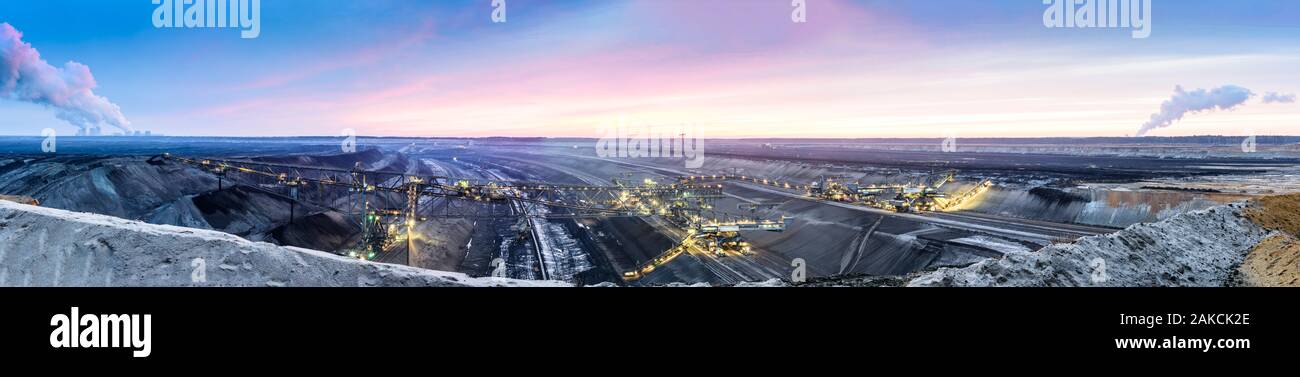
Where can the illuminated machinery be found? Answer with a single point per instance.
(720, 237)
(716, 231)
(923, 195)
(686, 205)
(696, 179)
(723, 236)
(919, 196)
(691, 206)
(388, 205)
(836, 188)
(954, 202)
(711, 231)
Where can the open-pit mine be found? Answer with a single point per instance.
(771, 212)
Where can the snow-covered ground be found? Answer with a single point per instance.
(50, 247)
(1199, 248)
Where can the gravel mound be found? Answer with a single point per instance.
(50, 247)
(1200, 248)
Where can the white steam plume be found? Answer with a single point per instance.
(1184, 102)
(24, 76)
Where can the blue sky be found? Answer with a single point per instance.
(735, 68)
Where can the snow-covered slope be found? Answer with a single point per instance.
(1200, 248)
(50, 247)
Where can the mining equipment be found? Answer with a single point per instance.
(688, 205)
(922, 195)
(22, 199)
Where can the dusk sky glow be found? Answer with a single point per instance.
(734, 68)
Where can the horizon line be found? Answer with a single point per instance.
(597, 138)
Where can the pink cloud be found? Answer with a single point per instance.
(563, 90)
(364, 56)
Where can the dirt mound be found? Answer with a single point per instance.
(21, 199)
(1277, 212)
(1275, 262)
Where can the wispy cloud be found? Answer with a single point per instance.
(1275, 97)
(343, 59)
